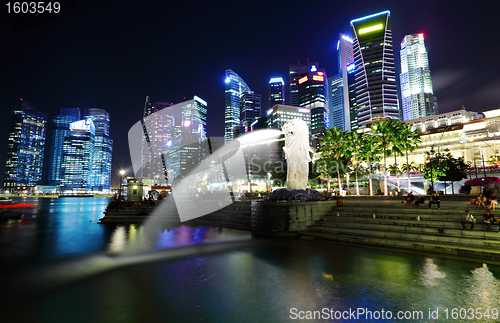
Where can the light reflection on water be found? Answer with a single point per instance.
(251, 283)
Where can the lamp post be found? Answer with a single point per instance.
(122, 172)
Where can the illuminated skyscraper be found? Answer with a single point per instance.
(340, 103)
(249, 111)
(416, 85)
(103, 149)
(376, 93)
(173, 141)
(26, 147)
(78, 157)
(276, 91)
(313, 95)
(278, 115)
(297, 72)
(154, 144)
(59, 131)
(234, 88)
(336, 92)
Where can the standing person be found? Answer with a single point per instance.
(480, 201)
(435, 200)
(488, 220)
(468, 219)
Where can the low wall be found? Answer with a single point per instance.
(284, 218)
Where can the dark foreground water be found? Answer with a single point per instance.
(60, 267)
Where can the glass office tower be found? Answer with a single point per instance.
(249, 111)
(339, 87)
(25, 147)
(174, 141)
(276, 91)
(100, 176)
(376, 93)
(235, 86)
(59, 131)
(313, 95)
(296, 72)
(78, 157)
(417, 96)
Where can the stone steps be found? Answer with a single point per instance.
(438, 231)
(424, 216)
(403, 208)
(455, 224)
(410, 237)
(465, 251)
(391, 224)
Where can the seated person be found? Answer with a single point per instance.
(493, 201)
(468, 219)
(488, 220)
(421, 200)
(435, 200)
(480, 201)
(409, 199)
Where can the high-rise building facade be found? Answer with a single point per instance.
(278, 115)
(276, 91)
(249, 111)
(336, 92)
(296, 72)
(417, 96)
(59, 131)
(155, 142)
(174, 141)
(26, 146)
(340, 103)
(235, 86)
(375, 76)
(313, 95)
(78, 157)
(100, 177)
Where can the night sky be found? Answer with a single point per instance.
(111, 54)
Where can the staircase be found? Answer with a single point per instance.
(386, 222)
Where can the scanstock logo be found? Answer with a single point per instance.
(208, 187)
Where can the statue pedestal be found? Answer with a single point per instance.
(285, 217)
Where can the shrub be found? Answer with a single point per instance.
(482, 181)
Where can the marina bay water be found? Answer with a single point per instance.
(61, 266)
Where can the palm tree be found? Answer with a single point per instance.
(332, 145)
(354, 143)
(410, 142)
(369, 152)
(406, 168)
(397, 147)
(385, 134)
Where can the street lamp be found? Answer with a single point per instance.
(122, 172)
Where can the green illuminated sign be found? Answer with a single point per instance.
(370, 29)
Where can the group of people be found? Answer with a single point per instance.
(488, 202)
(410, 198)
(482, 200)
(488, 219)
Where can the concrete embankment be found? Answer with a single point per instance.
(375, 221)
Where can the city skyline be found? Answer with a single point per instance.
(68, 62)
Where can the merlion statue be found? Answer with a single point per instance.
(297, 153)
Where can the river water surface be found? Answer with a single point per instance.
(61, 266)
